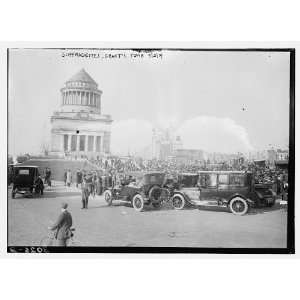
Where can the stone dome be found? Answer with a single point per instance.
(82, 79)
(81, 93)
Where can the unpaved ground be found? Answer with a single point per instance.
(121, 225)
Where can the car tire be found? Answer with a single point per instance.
(238, 206)
(138, 202)
(178, 202)
(108, 197)
(13, 194)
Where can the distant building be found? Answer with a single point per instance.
(188, 154)
(79, 129)
(272, 156)
(282, 154)
(162, 143)
(166, 145)
(277, 155)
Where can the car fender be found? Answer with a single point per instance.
(249, 201)
(177, 192)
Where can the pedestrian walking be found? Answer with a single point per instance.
(99, 185)
(62, 226)
(69, 178)
(85, 192)
(48, 176)
(78, 177)
(65, 177)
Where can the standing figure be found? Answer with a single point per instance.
(84, 193)
(78, 177)
(99, 185)
(39, 185)
(94, 183)
(48, 176)
(62, 226)
(65, 177)
(69, 178)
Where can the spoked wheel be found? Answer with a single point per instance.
(108, 197)
(238, 206)
(178, 202)
(138, 202)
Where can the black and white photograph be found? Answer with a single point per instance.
(150, 150)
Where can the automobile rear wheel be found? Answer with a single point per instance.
(178, 202)
(108, 197)
(13, 194)
(238, 206)
(138, 202)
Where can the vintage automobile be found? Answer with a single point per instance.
(144, 189)
(231, 189)
(10, 169)
(26, 181)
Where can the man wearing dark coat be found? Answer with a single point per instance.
(62, 226)
(78, 177)
(85, 193)
(48, 176)
(39, 185)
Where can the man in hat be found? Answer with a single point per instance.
(39, 185)
(78, 177)
(85, 193)
(62, 226)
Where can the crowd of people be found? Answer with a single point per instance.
(108, 174)
(263, 172)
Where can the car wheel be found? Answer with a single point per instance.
(178, 202)
(13, 194)
(238, 206)
(157, 205)
(108, 197)
(138, 202)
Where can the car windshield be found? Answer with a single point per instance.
(208, 180)
(237, 179)
(24, 171)
(188, 180)
(154, 178)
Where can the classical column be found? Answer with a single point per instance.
(77, 142)
(69, 142)
(86, 143)
(99, 103)
(94, 146)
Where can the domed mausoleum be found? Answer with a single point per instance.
(79, 129)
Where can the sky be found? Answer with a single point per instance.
(216, 101)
